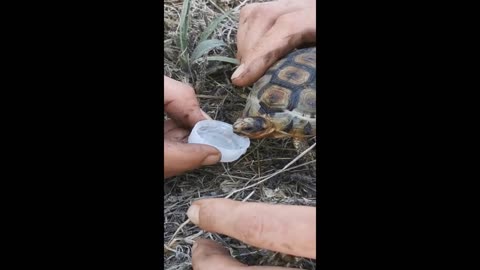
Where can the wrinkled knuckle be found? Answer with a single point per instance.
(289, 26)
(269, 16)
(286, 20)
(252, 229)
(258, 12)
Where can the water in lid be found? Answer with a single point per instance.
(219, 136)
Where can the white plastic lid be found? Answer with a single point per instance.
(220, 135)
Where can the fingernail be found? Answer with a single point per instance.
(206, 115)
(192, 213)
(211, 159)
(238, 72)
(195, 245)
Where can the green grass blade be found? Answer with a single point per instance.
(184, 23)
(205, 46)
(223, 59)
(212, 26)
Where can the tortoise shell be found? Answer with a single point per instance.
(286, 95)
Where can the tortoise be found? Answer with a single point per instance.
(283, 102)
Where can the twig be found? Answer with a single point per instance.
(274, 174)
(176, 232)
(169, 248)
(240, 5)
(212, 97)
(249, 195)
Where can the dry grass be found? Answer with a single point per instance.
(262, 169)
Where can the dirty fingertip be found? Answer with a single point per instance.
(212, 159)
(239, 72)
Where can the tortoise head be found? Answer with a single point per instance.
(253, 127)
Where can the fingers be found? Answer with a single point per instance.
(242, 28)
(181, 157)
(267, 32)
(209, 255)
(182, 106)
(173, 133)
(177, 135)
(286, 34)
(283, 228)
(181, 103)
(255, 20)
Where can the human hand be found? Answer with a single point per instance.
(268, 31)
(282, 228)
(182, 107)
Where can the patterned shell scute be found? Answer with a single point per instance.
(297, 71)
(287, 93)
(290, 84)
(275, 98)
(307, 101)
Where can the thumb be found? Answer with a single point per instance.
(181, 157)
